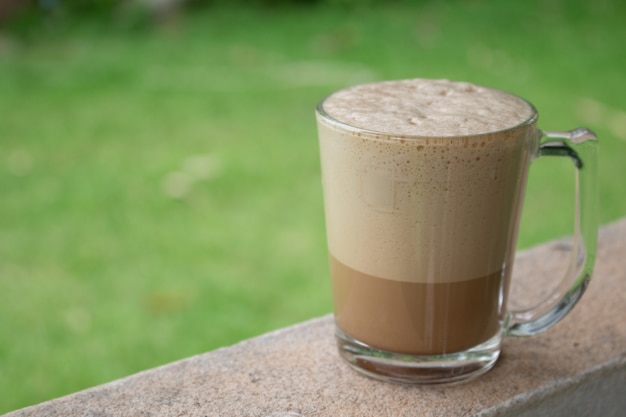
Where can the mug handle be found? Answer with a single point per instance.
(581, 146)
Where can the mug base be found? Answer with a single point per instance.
(418, 369)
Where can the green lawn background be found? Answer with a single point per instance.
(161, 192)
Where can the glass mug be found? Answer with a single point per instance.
(421, 235)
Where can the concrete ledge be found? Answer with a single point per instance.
(577, 368)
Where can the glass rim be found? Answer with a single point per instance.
(532, 119)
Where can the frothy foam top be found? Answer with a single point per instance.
(420, 107)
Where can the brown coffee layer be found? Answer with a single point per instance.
(416, 318)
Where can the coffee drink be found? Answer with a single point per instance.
(423, 184)
(423, 181)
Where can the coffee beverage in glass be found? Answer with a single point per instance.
(423, 187)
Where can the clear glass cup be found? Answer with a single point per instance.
(440, 207)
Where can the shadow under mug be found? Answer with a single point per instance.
(446, 210)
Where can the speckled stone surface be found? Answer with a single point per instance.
(576, 368)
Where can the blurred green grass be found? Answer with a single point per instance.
(161, 194)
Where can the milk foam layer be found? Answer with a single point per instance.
(429, 209)
(427, 108)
